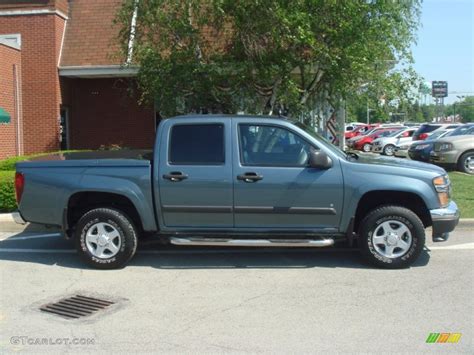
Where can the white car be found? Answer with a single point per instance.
(386, 145)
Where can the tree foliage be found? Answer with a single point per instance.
(265, 56)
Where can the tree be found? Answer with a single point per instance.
(465, 109)
(268, 56)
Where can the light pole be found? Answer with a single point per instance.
(368, 112)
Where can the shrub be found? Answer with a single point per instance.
(9, 163)
(7, 191)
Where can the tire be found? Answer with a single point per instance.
(367, 147)
(391, 237)
(466, 163)
(389, 150)
(106, 238)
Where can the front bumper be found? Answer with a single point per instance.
(18, 218)
(377, 148)
(446, 158)
(444, 221)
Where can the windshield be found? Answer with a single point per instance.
(320, 139)
(436, 135)
(393, 134)
(463, 130)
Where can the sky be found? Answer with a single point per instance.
(445, 45)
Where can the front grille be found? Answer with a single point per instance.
(76, 307)
(437, 147)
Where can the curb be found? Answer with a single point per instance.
(7, 224)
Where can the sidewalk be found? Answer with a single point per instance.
(7, 224)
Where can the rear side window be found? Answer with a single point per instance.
(197, 144)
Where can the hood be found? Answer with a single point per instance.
(398, 162)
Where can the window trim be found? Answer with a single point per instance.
(198, 163)
(275, 126)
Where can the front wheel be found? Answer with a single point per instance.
(466, 163)
(106, 238)
(389, 150)
(367, 147)
(391, 237)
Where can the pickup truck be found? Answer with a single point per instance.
(249, 181)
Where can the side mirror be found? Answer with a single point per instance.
(319, 159)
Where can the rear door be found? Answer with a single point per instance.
(195, 174)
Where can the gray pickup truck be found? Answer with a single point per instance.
(217, 180)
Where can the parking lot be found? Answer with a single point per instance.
(172, 299)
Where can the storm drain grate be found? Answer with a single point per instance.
(76, 306)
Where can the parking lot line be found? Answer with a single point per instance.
(36, 236)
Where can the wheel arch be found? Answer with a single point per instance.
(376, 198)
(83, 201)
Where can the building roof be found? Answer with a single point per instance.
(91, 36)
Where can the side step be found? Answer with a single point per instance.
(221, 242)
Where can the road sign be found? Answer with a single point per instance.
(331, 126)
(439, 88)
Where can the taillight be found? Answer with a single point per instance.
(19, 186)
(423, 136)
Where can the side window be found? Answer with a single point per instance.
(272, 146)
(197, 144)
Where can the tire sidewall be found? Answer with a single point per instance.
(462, 161)
(125, 229)
(378, 217)
(390, 146)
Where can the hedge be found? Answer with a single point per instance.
(7, 191)
(7, 179)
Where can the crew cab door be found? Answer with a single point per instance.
(193, 174)
(274, 188)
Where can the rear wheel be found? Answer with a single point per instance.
(106, 238)
(391, 237)
(367, 147)
(466, 163)
(389, 150)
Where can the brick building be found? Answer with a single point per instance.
(61, 79)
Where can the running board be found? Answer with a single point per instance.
(315, 243)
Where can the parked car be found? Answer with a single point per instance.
(364, 142)
(426, 129)
(456, 150)
(360, 130)
(217, 180)
(420, 150)
(353, 125)
(386, 145)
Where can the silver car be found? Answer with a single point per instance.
(456, 150)
(386, 145)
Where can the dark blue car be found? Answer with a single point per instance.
(421, 150)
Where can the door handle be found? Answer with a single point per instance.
(175, 176)
(250, 177)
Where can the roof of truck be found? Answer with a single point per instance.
(225, 116)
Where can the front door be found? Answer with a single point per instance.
(273, 186)
(195, 174)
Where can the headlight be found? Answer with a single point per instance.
(421, 146)
(443, 188)
(445, 147)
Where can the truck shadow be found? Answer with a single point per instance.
(55, 250)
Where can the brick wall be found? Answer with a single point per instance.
(9, 57)
(40, 44)
(102, 112)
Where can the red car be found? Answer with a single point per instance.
(360, 130)
(364, 143)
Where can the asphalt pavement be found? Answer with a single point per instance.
(212, 300)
